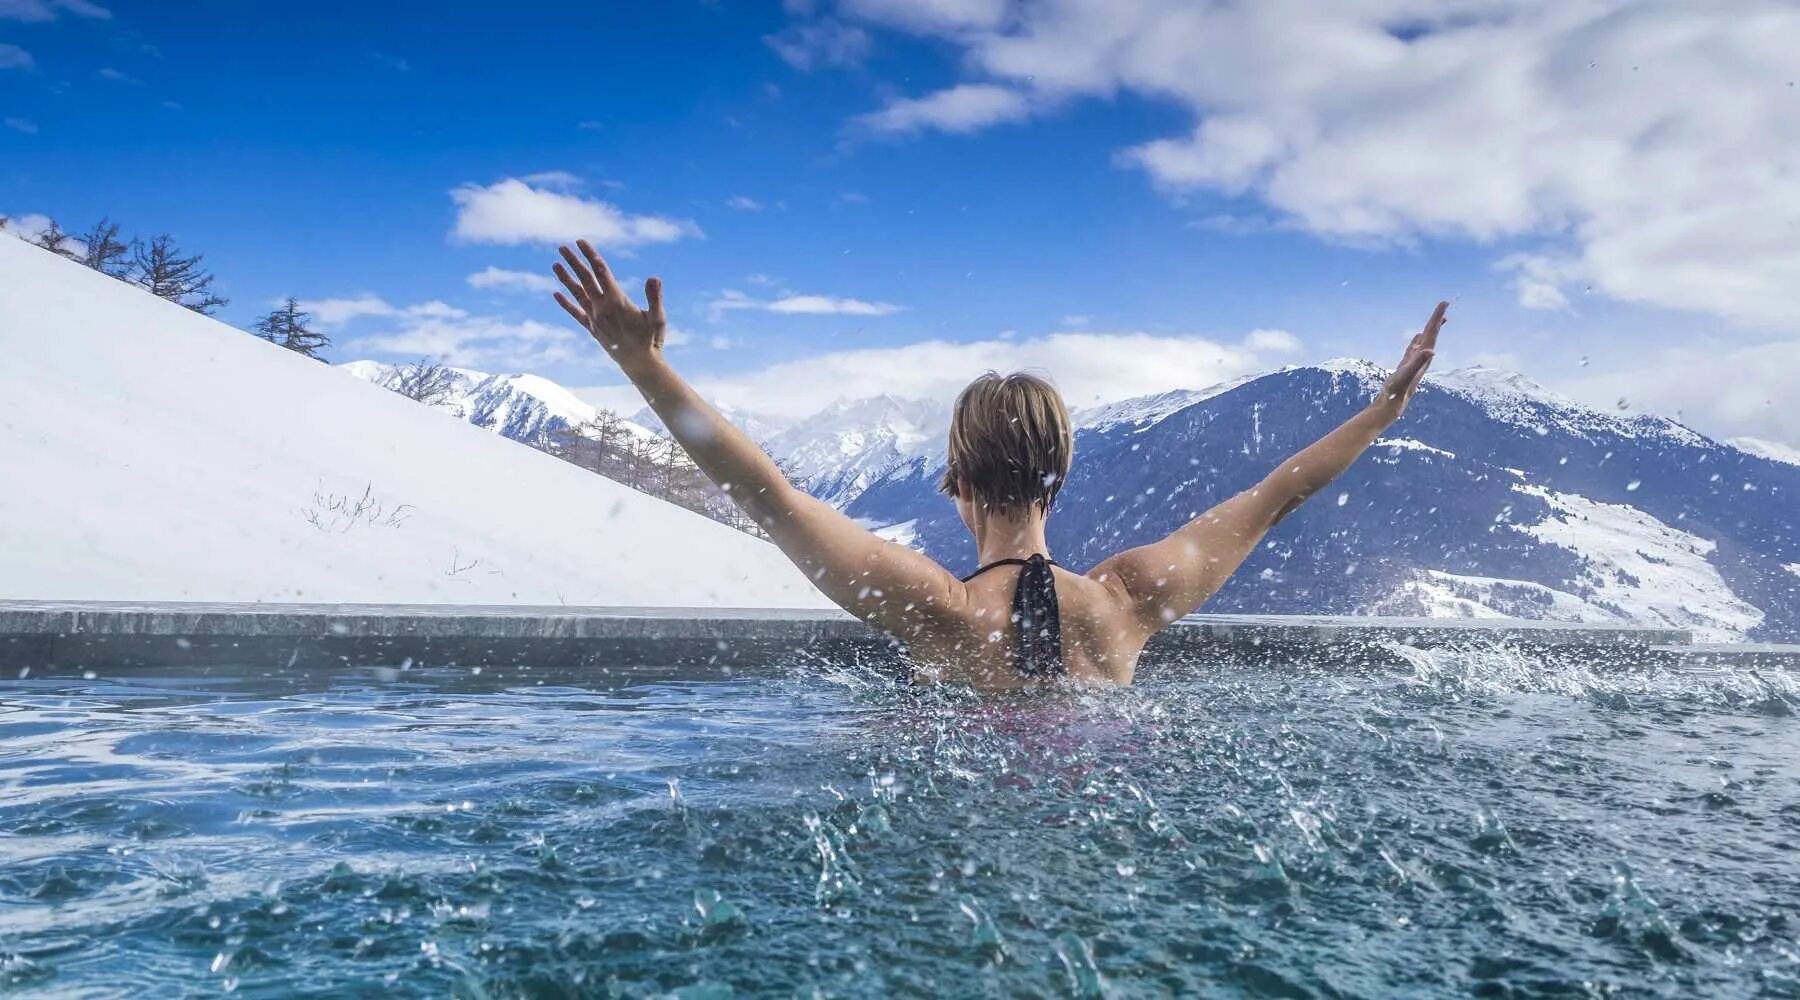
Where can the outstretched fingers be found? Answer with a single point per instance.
(574, 287)
(588, 291)
(572, 310)
(601, 271)
(1428, 338)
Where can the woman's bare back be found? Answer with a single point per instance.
(975, 642)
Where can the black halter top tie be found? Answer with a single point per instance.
(1038, 652)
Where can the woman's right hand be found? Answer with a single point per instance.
(1392, 400)
(631, 336)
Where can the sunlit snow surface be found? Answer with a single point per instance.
(1643, 569)
(154, 454)
(1471, 823)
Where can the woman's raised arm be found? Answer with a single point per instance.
(1172, 577)
(887, 584)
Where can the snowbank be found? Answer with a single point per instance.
(152, 453)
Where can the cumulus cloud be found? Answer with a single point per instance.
(482, 342)
(13, 57)
(27, 227)
(1272, 342)
(499, 279)
(24, 125)
(1654, 145)
(1538, 279)
(1089, 368)
(516, 210)
(743, 203)
(966, 107)
(931, 15)
(795, 304)
(816, 44)
(1724, 387)
(332, 313)
(49, 10)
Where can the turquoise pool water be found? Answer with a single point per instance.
(1469, 824)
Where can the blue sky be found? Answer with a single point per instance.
(863, 195)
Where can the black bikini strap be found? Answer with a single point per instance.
(1006, 562)
(1038, 620)
(1036, 615)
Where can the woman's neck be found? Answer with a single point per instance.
(1008, 536)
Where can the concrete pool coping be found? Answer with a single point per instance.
(102, 635)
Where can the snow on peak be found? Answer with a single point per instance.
(1146, 410)
(1518, 400)
(523, 407)
(839, 451)
(1481, 379)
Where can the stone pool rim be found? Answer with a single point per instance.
(115, 635)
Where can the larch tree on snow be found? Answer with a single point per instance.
(286, 326)
(161, 269)
(104, 251)
(56, 241)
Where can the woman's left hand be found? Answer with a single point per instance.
(632, 336)
(1398, 391)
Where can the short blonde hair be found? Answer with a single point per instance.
(1010, 442)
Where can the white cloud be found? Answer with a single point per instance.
(931, 15)
(13, 57)
(482, 342)
(48, 10)
(27, 227)
(1725, 387)
(800, 305)
(553, 179)
(1077, 319)
(819, 44)
(743, 203)
(24, 125)
(514, 211)
(331, 313)
(118, 76)
(1538, 279)
(1089, 368)
(1654, 146)
(966, 107)
(1272, 342)
(500, 279)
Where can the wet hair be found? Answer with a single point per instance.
(1010, 442)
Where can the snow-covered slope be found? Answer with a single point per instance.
(154, 454)
(836, 453)
(526, 408)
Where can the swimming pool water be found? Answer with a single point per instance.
(1470, 824)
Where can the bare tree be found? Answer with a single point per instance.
(424, 381)
(56, 241)
(161, 269)
(285, 325)
(104, 252)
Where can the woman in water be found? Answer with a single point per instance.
(1020, 619)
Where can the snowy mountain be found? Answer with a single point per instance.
(527, 408)
(1494, 496)
(836, 453)
(152, 453)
